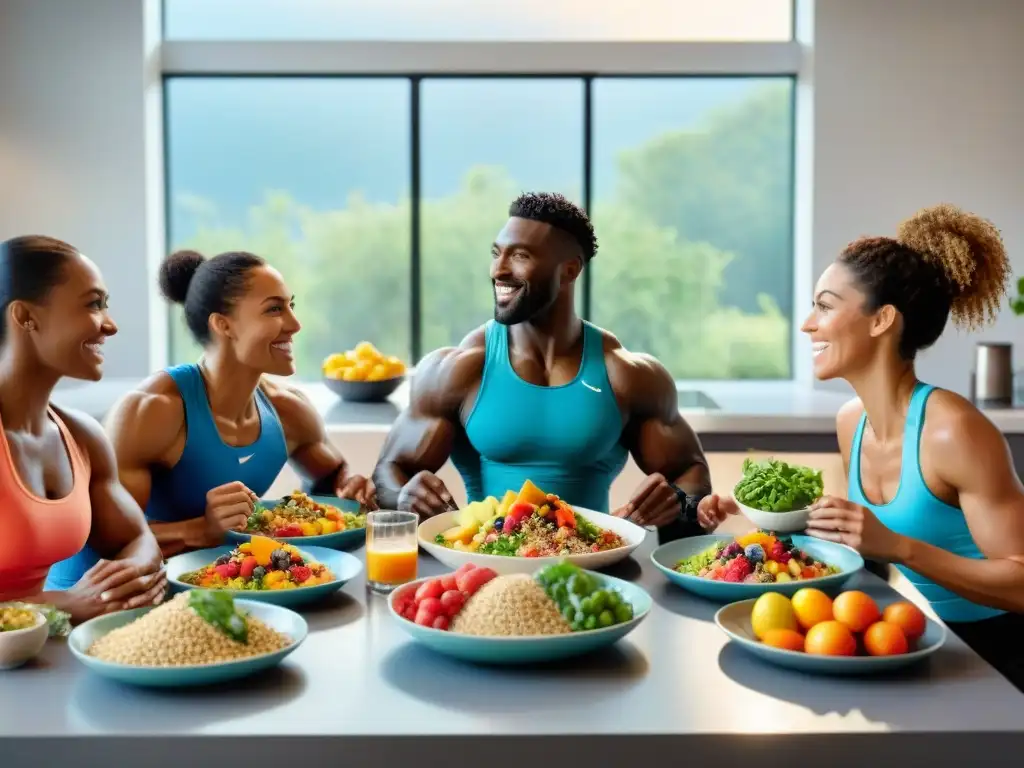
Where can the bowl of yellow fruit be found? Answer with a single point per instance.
(363, 374)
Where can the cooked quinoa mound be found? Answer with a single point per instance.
(173, 635)
(513, 605)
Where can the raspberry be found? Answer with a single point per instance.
(233, 568)
(300, 573)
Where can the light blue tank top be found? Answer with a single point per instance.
(566, 438)
(917, 513)
(179, 493)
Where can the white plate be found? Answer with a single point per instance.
(779, 522)
(632, 534)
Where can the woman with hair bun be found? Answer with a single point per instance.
(198, 444)
(58, 477)
(932, 485)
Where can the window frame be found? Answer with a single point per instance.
(584, 61)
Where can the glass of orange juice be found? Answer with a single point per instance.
(392, 551)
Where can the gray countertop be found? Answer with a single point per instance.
(739, 407)
(360, 688)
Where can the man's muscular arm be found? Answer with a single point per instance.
(421, 440)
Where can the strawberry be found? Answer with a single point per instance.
(448, 583)
(464, 568)
(441, 622)
(452, 602)
(248, 565)
(476, 579)
(222, 570)
(430, 588)
(431, 605)
(233, 568)
(519, 512)
(289, 530)
(300, 573)
(425, 618)
(410, 611)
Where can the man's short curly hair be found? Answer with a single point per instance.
(561, 213)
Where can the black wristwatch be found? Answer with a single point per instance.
(687, 504)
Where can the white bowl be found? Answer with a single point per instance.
(780, 522)
(19, 645)
(631, 533)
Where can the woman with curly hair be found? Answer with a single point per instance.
(932, 486)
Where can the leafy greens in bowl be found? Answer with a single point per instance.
(775, 495)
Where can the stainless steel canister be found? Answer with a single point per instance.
(992, 381)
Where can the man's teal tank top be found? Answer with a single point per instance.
(566, 438)
(179, 492)
(917, 513)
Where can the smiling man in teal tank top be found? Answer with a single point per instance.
(540, 394)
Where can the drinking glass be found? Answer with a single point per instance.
(392, 551)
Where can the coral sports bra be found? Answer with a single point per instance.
(35, 533)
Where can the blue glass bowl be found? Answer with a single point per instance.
(848, 561)
(283, 620)
(340, 540)
(734, 620)
(508, 651)
(344, 566)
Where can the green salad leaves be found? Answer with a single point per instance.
(775, 486)
(218, 609)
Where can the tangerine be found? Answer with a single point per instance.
(907, 617)
(786, 639)
(830, 638)
(856, 610)
(885, 639)
(811, 606)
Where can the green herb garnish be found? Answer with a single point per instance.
(503, 545)
(218, 610)
(439, 539)
(775, 486)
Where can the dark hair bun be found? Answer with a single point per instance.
(176, 274)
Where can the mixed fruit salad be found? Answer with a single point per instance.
(260, 564)
(529, 523)
(558, 599)
(299, 515)
(775, 486)
(755, 558)
(851, 625)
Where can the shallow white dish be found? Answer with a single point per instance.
(19, 645)
(779, 522)
(632, 534)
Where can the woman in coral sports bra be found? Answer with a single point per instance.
(58, 478)
(932, 485)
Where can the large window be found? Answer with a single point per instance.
(370, 150)
(643, 20)
(313, 175)
(690, 189)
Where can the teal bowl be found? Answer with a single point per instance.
(515, 651)
(341, 540)
(734, 620)
(283, 620)
(848, 561)
(344, 566)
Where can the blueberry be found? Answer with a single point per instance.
(498, 523)
(258, 572)
(754, 553)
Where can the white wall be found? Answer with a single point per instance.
(919, 102)
(73, 145)
(916, 101)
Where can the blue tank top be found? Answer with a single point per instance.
(179, 493)
(565, 438)
(917, 513)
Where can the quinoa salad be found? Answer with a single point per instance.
(755, 558)
(194, 628)
(557, 600)
(260, 564)
(300, 515)
(529, 523)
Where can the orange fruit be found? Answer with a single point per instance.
(830, 638)
(856, 610)
(811, 606)
(885, 639)
(786, 639)
(907, 617)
